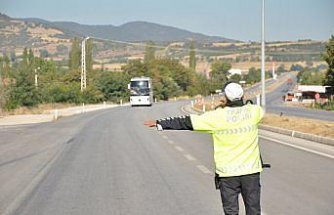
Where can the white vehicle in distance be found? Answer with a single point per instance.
(141, 91)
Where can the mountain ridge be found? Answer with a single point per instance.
(131, 31)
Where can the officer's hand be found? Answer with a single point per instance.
(150, 123)
(222, 101)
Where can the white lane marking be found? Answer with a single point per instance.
(179, 148)
(189, 157)
(298, 147)
(165, 137)
(204, 169)
(11, 129)
(182, 109)
(171, 142)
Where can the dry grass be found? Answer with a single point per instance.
(269, 65)
(245, 66)
(225, 44)
(110, 66)
(310, 126)
(43, 32)
(291, 43)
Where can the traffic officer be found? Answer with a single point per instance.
(236, 150)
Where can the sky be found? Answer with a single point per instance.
(235, 19)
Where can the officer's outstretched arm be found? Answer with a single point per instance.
(175, 123)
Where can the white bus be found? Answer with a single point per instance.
(141, 92)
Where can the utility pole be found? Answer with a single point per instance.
(83, 65)
(263, 75)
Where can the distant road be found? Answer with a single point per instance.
(107, 162)
(276, 105)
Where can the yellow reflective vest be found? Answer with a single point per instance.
(235, 137)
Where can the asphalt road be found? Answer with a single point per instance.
(108, 162)
(275, 104)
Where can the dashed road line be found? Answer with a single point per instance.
(183, 109)
(298, 147)
(10, 129)
(171, 142)
(178, 148)
(204, 169)
(189, 157)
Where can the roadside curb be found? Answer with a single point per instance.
(298, 134)
(291, 133)
(52, 115)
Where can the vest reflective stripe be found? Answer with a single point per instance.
(237, 130)
(235, 137)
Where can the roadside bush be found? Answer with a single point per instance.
(325, 106)
(63, 94)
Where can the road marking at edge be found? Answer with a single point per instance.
(189, 157)
(183, 110)
(204, 169)
(298, 147)
(171, 142)
(178, 148)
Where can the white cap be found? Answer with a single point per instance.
(233, 92)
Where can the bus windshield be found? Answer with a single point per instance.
(139, 88)
(139, 84)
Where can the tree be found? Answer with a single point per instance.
(311, 77)
(43, 53)
(12, 56)
(1, 85)
(329, 58)
(253, 76)
(172, 68)
(218, 75)
(149, 52)
(75, 55)
(61, 49)
(89, 62)
(6, 70)
(296, 67)
(89, 55)
(235, 78)
(113, 85)
(25, 56)
(199, 85)
(136, 68)
(281, 69)
(192, 57)
(31, 57)
(23, 92)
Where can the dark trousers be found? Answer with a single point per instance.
(250, 189)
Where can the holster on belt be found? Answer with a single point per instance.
(217, 181)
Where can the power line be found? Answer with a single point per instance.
(162, 47)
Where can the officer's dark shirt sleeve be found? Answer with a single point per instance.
(175, 123)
